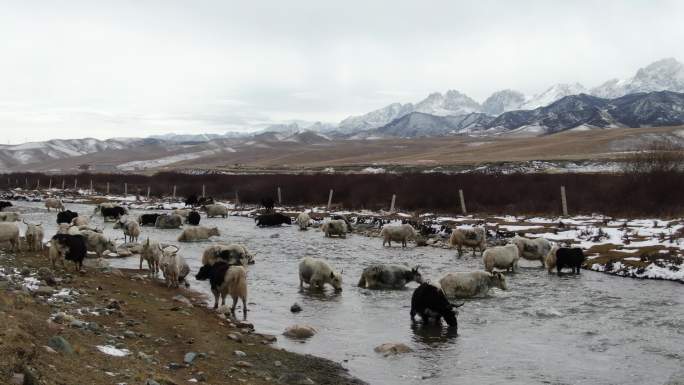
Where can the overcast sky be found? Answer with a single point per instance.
(72, 69)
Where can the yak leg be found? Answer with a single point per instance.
(216, 297)
(232, 309)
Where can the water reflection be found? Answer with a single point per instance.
(431, 334)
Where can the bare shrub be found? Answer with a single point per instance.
(611, 194)
(655, 158)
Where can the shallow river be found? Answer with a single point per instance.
(592, 329)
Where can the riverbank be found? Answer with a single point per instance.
(117, 326)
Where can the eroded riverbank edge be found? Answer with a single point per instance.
(163, 337)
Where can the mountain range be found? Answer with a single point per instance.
(663, 75)
(653, 97)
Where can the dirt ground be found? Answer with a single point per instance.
(127, 310)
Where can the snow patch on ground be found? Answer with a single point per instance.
(165, 161)
(112, 351)
(373, 170)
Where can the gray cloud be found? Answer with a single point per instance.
(130, 68)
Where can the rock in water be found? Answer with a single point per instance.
(392, 348)
(299, 331)
(295, 308)
(60, 344)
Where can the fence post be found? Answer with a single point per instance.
(280, 197)
(174, 191)
(26, 182)
(63, 184)
(107, 188)
(148, 193)
(204, 191)
(329, 199)
(394, 198)
(9, 183)
(564, 201)
(75, 183)
(50, 188)
(462, 198)
(237, 199)
(38, 184)
(125, 190)
(91, 187)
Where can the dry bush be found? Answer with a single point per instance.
(610, 194)
(655, 158)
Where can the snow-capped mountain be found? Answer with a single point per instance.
(552, 94)
(294, 126)
(375, 118)
(33, 152)
(307, 137)
(651, 109)
(502, 101)
(180, 138)
(418, 124)
(663, 75)
(452, 103)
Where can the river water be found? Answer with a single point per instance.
(591, 329)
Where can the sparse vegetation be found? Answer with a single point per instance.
(610, 194)
(654, 160)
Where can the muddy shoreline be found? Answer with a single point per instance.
(166, 336)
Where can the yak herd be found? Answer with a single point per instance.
(224, 265)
